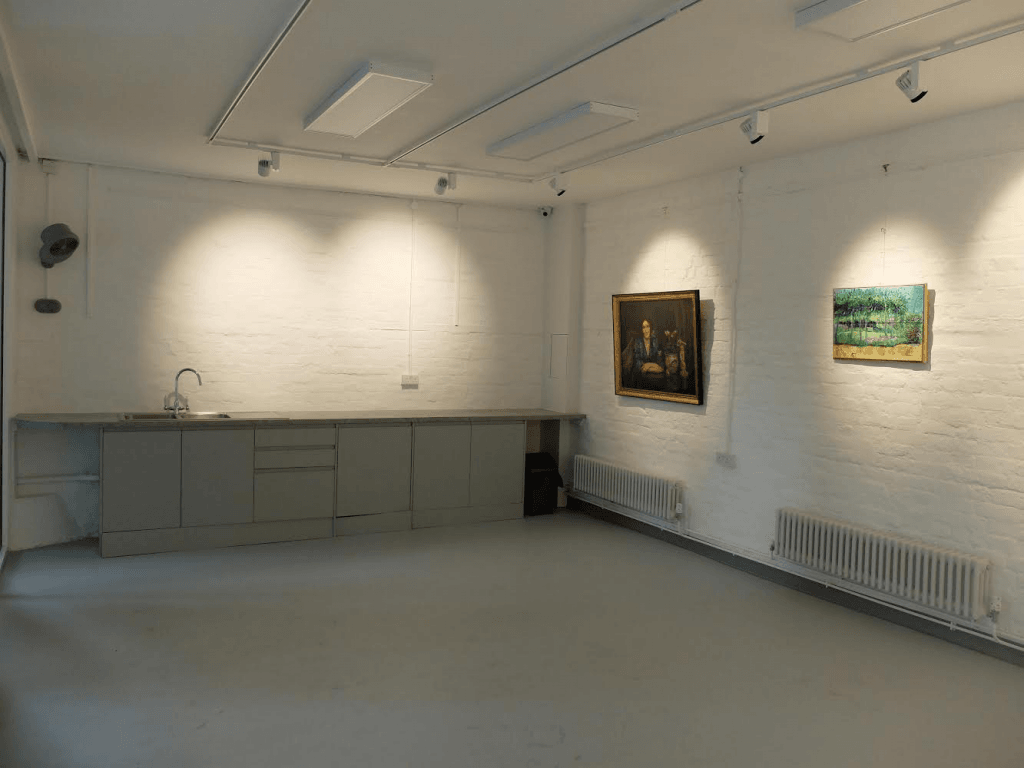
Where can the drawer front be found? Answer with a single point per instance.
(294, 495)
(296, 457)
(266, 438)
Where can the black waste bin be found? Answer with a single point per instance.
(542, 484)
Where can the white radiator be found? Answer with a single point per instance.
(636, 491)
(951, 582)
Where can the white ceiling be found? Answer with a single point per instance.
(143, 83)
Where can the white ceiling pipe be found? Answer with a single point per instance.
(376, 162)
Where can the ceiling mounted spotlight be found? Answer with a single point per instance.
(559, 183)
(755, 127)
(910, 83)
(444, 183)
(264, 166)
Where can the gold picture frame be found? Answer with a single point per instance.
(659, 351)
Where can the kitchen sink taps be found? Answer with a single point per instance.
(177, 398)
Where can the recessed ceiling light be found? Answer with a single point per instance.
(854, 20)
(371, 94)
(581, 122)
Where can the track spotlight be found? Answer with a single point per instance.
(559, 183)
(444, 184)
(910, 83)
(755, 126)
(264, 166)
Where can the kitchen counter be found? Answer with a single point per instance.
(296, 418)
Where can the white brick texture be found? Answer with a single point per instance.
(932, 451)
(282, 299)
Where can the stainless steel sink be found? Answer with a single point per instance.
(168, 416)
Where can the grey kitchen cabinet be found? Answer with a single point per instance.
(141, 481)
(297, 494)
(441, 466)
(217, 477)
(497, 459)
(294, 473)
(374, 469)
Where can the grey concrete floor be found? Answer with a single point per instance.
(552, 641)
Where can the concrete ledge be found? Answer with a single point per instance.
(383, 522)
(808, 587)
(430, 518)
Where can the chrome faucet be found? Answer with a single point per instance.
(177, 398)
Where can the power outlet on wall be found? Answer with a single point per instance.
(411, 381)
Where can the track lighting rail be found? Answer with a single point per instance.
(397, 160)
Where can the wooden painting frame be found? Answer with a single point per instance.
(894, 316)
(675, 346)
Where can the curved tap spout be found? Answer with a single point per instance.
(177, 404)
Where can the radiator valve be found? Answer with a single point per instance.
(995, 608)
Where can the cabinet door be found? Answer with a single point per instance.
(294, 495)
(497, 464)
(141, 483)
(441, 466)
(374, 469)
(216, 477)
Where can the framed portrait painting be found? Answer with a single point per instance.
(658, 349)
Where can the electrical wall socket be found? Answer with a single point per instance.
(727, 460)
(996, 606)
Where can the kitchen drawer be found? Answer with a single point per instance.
(299, 495)
(266, 438)
(295, 457)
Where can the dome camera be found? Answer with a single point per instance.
(545, 210)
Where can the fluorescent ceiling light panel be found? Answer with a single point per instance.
(366, 98)
(579, 123)
(854, 20)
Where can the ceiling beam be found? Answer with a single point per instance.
(620, 37)
(260, 65)
(21, 129)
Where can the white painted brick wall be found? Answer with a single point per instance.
(282, 299)
(934, 451)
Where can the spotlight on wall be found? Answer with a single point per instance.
(59, 242)
(265, 166)
(910, 83)
(559, 183)
(444, 184)
(755, 126)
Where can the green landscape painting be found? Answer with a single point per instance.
(886, 323)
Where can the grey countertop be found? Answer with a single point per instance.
(294, 418)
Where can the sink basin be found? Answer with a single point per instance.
(168, 416)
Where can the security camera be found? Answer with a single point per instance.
(755, 126)
(545, 210)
